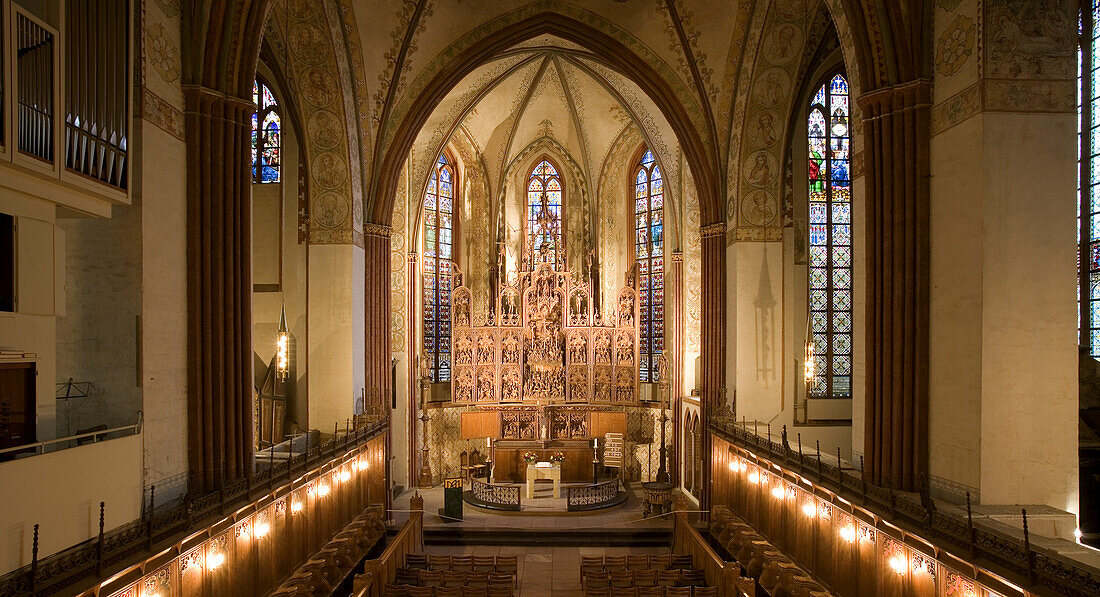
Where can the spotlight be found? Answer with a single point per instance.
(809, 509)
(897, 564)
(848, 533)
(733, 466)
(754, 478)
(296, 507)
(344, 476)
(777, 492)
(322, 489)
(215, 560)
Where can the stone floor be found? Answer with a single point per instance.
(545, 571)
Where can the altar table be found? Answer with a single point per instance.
(543, 470)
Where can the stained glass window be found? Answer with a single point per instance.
(830, 262)
(438, 253)
(649, 256)
(266, 135)
(544, 224)
(1088, 185)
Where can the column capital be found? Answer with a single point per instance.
(377, 230)
(908, 95)
(715, 229)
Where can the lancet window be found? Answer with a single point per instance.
(267, 130)
(650, 260)
(438, 255)
(544, 216)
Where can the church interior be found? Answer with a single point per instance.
(556, 298)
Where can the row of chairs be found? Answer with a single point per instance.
(643, 578)
(652, 592)
(409, 591)
(498, 564)
(451, 578)
(642, 562)
(328, 567)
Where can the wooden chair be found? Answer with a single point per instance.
(462, 563)
(477, 578)
(397, 591)
(622, 578)
(477, 466)
(693, 578)
(492, 591)
(651, 592)
(660, 561)
(597, 579)
(645, 578)
(439, 562)
(677, 591)
(421, 591)
(597, 592)
(705, 592)
(416, 560)
(454, 578)
(475, 591)
(406, 576)
(591, 563)
(624, 591)
(612, 563)
(448, 592)
(504, 579)
(668, 578)
(430, 578)
(485, 563)
(637, 562)
(682, 561)
(507, 564)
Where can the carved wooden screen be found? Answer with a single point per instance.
(546, 344)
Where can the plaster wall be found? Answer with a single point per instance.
(955, 308)
(98, 336)
(336, 342)
(160, 186)
(31, 328)
(61, 491)
(1029, 354)
(758, 341)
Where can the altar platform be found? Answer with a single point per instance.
(541, 524)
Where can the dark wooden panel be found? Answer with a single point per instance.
(17, 404)
(509, 467)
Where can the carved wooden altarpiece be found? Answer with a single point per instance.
(543, 343)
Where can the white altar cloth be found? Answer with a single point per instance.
(543, 470)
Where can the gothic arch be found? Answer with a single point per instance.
(617, 55)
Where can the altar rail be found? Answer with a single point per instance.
(504, 497)
(382, 571)
(718, 572)
(171, 534)
(592, 496)
(996, 556)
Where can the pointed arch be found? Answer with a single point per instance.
(544, 221)
(440, 223)
(649, 260)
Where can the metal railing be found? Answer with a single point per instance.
(116, 549)
(497, 495)
(1032, 568)
(73, 441)
(592, 495)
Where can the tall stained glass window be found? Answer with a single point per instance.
(438, 253)
(267, 130)
(1088, 185)
(830, 240)
(649, 255)
(544, 201)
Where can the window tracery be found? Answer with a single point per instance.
(266, 135)
(438, 255)
(830, 214)
(649, 258)
(544, 216)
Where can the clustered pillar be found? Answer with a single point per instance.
(376, 241)
(219, 287)
(675, 283)
(896, 127)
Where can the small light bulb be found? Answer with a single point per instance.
(809, 510)
(733, 466)
(322, 490)
(296, 507)
(262, 528)
(245, 535)
(848, 533)
(344, 476)
(777, 492)
(1077, 534)
(897, 564)
(215, 561)
(754, 478)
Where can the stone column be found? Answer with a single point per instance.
(674, 295)
(219, 287)
(896, 123)
(376, 240)
(413, 369)
(713, 337)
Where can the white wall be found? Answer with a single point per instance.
(61, 492)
